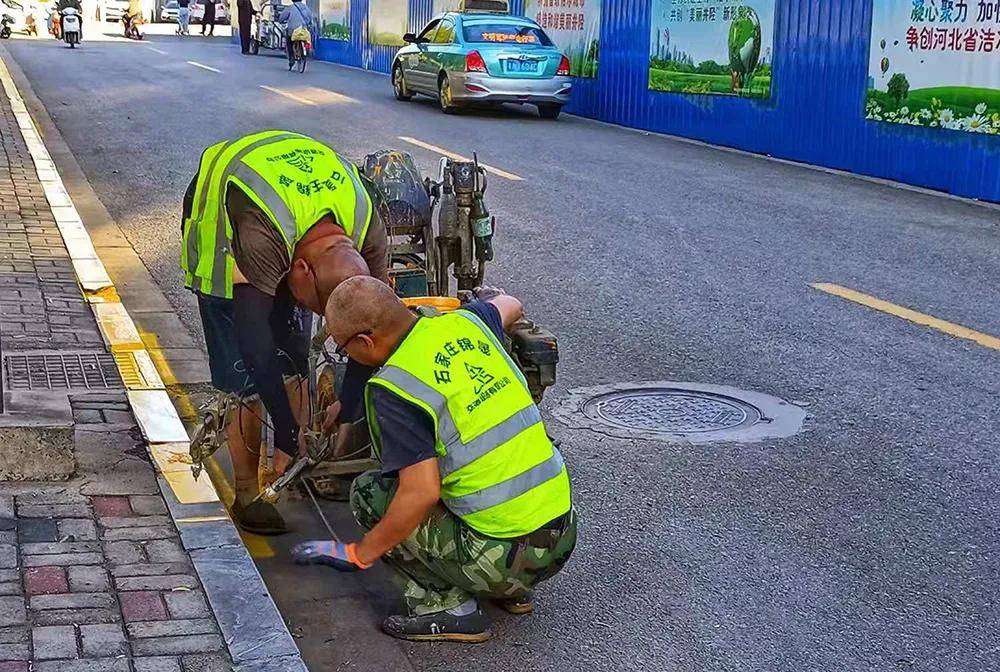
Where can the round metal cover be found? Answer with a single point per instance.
(689, 412)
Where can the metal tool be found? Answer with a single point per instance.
(210, 433)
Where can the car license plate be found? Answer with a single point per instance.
(522, 66)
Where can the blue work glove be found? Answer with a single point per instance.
(342, 557)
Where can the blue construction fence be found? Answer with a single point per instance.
(819, 80)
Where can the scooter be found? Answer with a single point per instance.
(6, 21)
(70, 21)
(131, 24)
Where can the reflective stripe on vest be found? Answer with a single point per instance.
(207, 258)
(508, 479)
(460, 454)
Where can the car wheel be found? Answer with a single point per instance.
(399, 84)
(549, 111)
(444, 95)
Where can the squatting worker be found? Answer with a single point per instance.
(272, 219)
(473, 500)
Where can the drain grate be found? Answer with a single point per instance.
(61, 371)
(689, 412)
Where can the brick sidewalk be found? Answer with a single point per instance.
(93, 576)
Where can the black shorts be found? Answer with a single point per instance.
(291, 326)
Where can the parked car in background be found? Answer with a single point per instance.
(483, 57)
(169, 12)
(221, 12)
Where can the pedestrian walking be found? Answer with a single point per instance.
(245, 11)
(208, 18)
(183, 17)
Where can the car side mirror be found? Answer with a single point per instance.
(410, 38)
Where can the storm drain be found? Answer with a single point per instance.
(61, 371)
(690, 412)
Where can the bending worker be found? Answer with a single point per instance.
(473, 500)
(273, 220)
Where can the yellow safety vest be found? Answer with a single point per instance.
(295, 181)
(499, 471)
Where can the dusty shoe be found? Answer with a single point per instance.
(439, 627)
(259, 517)
(519, 606)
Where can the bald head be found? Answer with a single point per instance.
(365, 315)
(318, 267)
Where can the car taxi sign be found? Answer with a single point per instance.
(488, 6)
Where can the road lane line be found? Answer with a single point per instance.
(290, 96)
(158, 51)
(458, 157)
(875, 303)
(203, 66)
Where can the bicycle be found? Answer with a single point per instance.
(299, 55)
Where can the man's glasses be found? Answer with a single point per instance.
(342, 349)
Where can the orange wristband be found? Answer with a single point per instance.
(352, 555)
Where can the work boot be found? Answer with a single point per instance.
(440, 627)
(259, 517)
(519, 606)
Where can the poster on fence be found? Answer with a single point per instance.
(335, 19)
(717, 47)
(575, 27)
(936, 63)
(387, 22)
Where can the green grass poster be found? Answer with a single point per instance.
(935, 63)
(575, 27)
(335, 19)
(719, 47)
(387, 22)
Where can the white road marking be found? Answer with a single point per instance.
(327, 95)
(458, 157)
(286, 94)
(158, 51)
(203, 67)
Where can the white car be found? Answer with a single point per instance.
(221, 12)
(170, 11)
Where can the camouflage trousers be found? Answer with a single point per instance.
(444, 562)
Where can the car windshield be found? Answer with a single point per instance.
(506, 33)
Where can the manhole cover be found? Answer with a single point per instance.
(689, 412)
(61, 371)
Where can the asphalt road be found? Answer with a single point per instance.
(866, 542)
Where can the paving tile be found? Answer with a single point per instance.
(79, 529)
(37, 530)
(75, 616)
(172, 628)
(168, 582)
(73, 601)
(156, 664)
(53, 511)
(83, 665)
(111, 507)
(147, 505)
(187, 604)
(54, 641)
(135, 521)
(64, 559)
(166, 646)
(12, 611)
(45, 580)
(142, 606)
(102, 641)
(8, 556)
(152, 569)
(92, 579)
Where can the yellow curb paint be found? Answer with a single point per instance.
(875, 303)
(171, 457)
(258, 547)
(156, 416)
(189, 491)
(103, 295)
(458, 157)
(117, 327)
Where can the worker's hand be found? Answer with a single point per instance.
(283, 460)
(487, 292)
(342, 557)
(331, 417)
